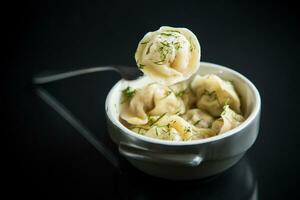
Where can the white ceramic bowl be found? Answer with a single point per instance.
(187, 159)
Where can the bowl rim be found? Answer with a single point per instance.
(255, 112)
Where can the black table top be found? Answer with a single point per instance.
(47, 158)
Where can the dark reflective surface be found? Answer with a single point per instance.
(131, 183)
(46, 158)
(239, 182)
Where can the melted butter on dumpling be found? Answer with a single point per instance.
(169, 55)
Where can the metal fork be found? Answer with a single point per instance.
(128, 73)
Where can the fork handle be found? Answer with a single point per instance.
(42, 79)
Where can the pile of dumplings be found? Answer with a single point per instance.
(174, 107)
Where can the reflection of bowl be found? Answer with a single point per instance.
(187, 159)
(237, 183)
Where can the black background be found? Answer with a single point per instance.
(44, 157)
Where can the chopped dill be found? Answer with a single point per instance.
(150, 119)
(180, 93)
(165, 43)
(164, 131)
(146, 42)
(227, 101)
(159, 118)
(192, 45)
(172, 31)
(141, 66)
(197, 122)
(129, 92)
(206, 92)
(224, 109)
(187, 129)
(148, 50)
(156, 131)
(178, 112)
(163, 51)
(169, 34)
(177, 45)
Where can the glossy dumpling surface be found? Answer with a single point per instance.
(154, 99)
(213, 93)
(168, 55)
(172, 127)
(198, 118)
(228, 120)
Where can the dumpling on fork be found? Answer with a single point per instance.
(168, 55)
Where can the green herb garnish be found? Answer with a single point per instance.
(165, 43)
(197, 122)
(177, 45)
(206, 92)
(145, 42)
(224, 109)
(180, 93)
(172, 31)
(226, 102)
(187, 129)
(155, 121)
(148, 50)
(141, 66)
(192, 45)
(178, 112)
(150, 119)
(169, 34)
(128, 93)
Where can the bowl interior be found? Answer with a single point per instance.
(250, 99)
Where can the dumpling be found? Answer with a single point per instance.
(202, 133)
(174, 127)
(166, 127)
(164, 133)
(168, 55)
(229, 120)
(154, 99)
(183, 90)
(198, 118)
(189, 99)
(213, 93)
